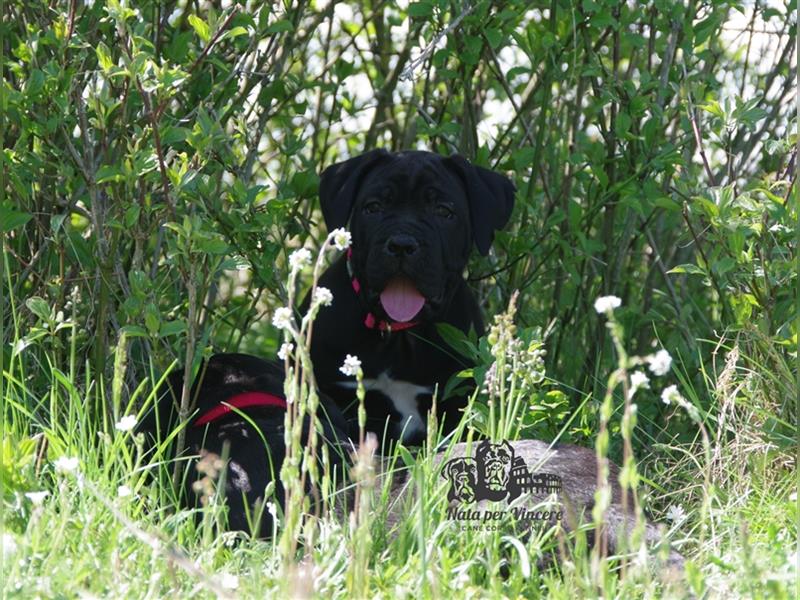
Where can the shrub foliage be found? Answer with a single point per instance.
(161, 160)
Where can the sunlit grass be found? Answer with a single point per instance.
(84, 513)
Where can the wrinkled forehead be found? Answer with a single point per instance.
(409, 172)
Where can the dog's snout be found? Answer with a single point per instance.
(401, 245)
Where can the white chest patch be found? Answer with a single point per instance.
(404, 399)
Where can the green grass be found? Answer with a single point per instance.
(114, 528)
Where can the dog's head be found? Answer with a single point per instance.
(496, 460)
(414, 217)
(462, 474)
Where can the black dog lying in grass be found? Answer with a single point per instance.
(254, 436)
(240, 416)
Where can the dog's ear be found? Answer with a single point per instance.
(449, 467)
(338, 186)
(490, 196)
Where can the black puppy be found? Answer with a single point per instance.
(414, 218)
(252, 436)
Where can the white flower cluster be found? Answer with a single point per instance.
(299, 259)
(126, 423)
(351, 366)
(676, 514)
(671, 395)
(282, 319)
(659, 363)
(66, 464)
(639, 380)
(323, 296)
(37, 498)
(606, 304)
(285, 350)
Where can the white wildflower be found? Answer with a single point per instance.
(126, 423)
(66, 464)
(675, 513)
(604, 304)
(323, 296)
(341, 238)
(282, 319)
(299, 259)
(351, 365)
(272, 509)
(285, 350)
(229, 581)
(671, 395)
(124, 491)
(639, 380)
(660, 362)
(37, 498)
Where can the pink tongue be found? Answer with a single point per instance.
(401, 300)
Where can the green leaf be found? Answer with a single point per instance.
(35, 83)
(623, 124)
(173, 135)
(457, 340)
(688, 269)
(152, 319)
(133, 331)
(108, 173)
(200, 27)
(11, 218)
(132, 215)
(494, 36)
(714, 108)
(523, 157)
(104, 57)
(724, 265)
(213, 246)
(280, 26)
(172, 328)
(234, 32)
(420, 9)
(39, 307)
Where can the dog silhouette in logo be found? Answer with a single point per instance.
(494, 469)
(463, 476)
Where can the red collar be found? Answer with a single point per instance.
(240, 401)
(371, 321)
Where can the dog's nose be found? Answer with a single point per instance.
(401, 245)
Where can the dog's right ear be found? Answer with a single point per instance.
(338, 186)
(451, 464)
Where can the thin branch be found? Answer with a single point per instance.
(408, 72)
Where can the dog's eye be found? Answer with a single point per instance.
(372, 207)
(443, 210)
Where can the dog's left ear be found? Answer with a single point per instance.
(490, 196)
(338, 186)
